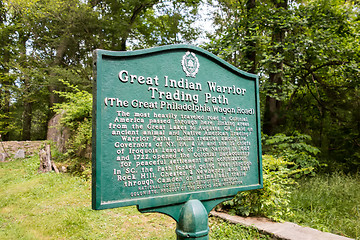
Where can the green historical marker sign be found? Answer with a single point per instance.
(173, 124)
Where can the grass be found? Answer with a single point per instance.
(58, 206)
(221, 229)
(329, 203)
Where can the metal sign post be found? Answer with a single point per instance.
(175, 130)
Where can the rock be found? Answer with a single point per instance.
(63, 169)
(3, 157)
(85, 152)
(20, 154)
(57, 133)
(60, 135)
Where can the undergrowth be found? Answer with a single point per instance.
(328, 203)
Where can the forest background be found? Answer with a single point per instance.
(306, 52)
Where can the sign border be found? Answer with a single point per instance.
(172, 199)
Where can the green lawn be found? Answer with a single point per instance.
(58, 206)
(328, 203)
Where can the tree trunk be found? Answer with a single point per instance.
(27, 101)
(60, 53)
(4, 79)
(53, 98)
(45, 159)
(250, 52)
(27, 118)
(46, 165)
(137, 11)
(272, 117)
(5, 95)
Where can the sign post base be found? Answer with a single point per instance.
(193, 221)
(191, 217)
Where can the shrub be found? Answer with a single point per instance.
(273, 200)
(294, 149)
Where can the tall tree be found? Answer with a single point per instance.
(54, 39)
(5, 79)
(325, 64)
(138, 23)
(307, 55)
(250, 36)
(272, 112)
